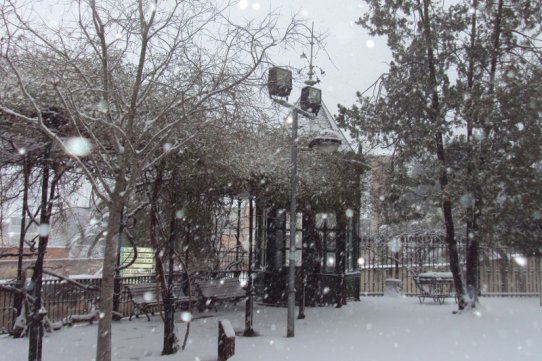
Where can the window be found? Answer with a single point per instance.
(14, 225)
(326, 224)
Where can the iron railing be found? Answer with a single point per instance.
(61, 298)
(503, 272)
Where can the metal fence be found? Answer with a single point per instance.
(61, 298)
(502, 270)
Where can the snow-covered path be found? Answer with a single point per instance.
(380, 329)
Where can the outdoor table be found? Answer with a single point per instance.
(435, 285)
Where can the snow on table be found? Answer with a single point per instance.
(435, 285)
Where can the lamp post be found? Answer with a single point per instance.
(249, 305)
(293, 227)
(280, 85)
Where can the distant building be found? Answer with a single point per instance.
(67, 250)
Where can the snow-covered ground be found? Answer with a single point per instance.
(379, 328)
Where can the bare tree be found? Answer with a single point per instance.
(130, 75)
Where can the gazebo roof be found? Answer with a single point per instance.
(324, 122)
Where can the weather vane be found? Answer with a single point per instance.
(311, 73)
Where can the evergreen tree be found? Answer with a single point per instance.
(452, 99)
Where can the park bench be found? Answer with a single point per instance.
(435, 285)
(217, 291)
(147, 297)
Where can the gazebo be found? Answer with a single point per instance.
(327, 232)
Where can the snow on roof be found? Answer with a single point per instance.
(322, 124)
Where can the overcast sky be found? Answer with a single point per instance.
(357, 60)
(352, 60)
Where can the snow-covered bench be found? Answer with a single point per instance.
(147, 297)
(213, 292)
(435, 285)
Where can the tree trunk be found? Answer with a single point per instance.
(170, 339)
(103, 348)
(453, 254)
(472, 263)
(18, 300)
(38, 312)
(473, 236)
(435, 118)
(474, 209)
(171, 345)
(35, 326)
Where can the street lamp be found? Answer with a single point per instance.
(249, 304)
(311, 99)
(280, 85)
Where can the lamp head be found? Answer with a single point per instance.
(279, 82)
(311, 99)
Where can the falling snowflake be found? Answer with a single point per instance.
(44, 230)
(289, 120)
(467, 200)
(148, 296)
(394, 245)
(242, 4)
(78, 146)
(102, 106)
(186, 316)
(520, 260)
(370, 43)
(179, 214)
